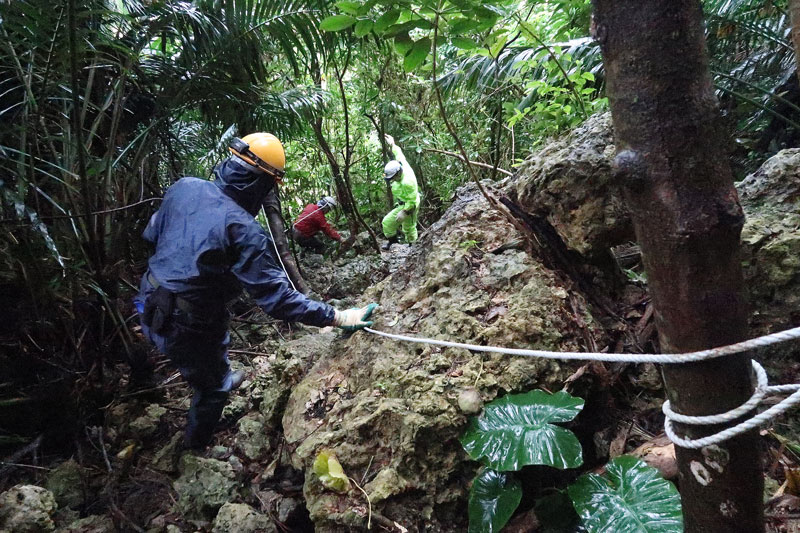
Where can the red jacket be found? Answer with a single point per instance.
(312, 220)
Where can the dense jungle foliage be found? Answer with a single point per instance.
(104, 103)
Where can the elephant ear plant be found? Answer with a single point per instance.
(518, 430)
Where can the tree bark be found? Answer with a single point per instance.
(275, 221)
(379, 127)
(794, 14)
(673, 167)
(336, 170)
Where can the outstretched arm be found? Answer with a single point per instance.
(258, 270)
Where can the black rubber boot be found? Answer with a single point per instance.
(388, 244)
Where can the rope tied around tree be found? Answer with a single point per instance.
(762, 388)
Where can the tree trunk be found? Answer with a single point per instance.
(794, 14)
(379, 127)
(673, 167)
(338, 182)
(276, 226)
(342, 191)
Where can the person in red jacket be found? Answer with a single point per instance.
(311, 221)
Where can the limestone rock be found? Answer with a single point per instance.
(470, 402)
(27, 509)
(90, 524)
(569, 183)
(241, 518)
(770, 198)
(353, 276)
(253, 437)
(237, 406)
(146, 425)
(344, 278)
(204, 486)
(289, 509)
(385, 484)
(166, 459)
(390, 411)
(286, 369)
(66, 484)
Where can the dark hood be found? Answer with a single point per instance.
(246, 184)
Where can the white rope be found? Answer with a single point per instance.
(663, 358)
(275, 247)
(749, 424)
(758, 395)
(762, 388)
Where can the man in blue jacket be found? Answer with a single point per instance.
(208, 247)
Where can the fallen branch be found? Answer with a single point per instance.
(247, 352)
(475, 163)
(11, 461)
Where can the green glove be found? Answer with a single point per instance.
(354, 319)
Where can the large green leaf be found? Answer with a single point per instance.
(351, 8)
(337, 23)
(631, 497)
(403, 43)
(362, 28)
(417, 54)
(493, 498)
(517, 430)
(464, 43)
(462, 26)
(386, 20)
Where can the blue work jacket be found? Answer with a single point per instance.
(209, 246)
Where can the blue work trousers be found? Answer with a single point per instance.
(199, 348)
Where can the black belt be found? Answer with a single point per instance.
(180, 303)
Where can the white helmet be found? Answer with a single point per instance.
(327, 201)
(391, 168)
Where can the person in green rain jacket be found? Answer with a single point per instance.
(406, 198)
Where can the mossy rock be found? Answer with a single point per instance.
(27, 509)
(204, 486)
(65, 482)
(241, 518)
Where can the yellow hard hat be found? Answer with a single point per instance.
(262, 150)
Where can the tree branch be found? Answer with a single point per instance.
(476, 163)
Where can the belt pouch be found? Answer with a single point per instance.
(158, 309)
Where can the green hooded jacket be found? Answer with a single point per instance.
(405, 191)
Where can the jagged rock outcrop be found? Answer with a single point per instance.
(280, 372)
(390, 411)
(241, 518)
(569, 183)
(771, 241)
(65, 483)
(204, 486)
(27, 509)
(344, 277)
